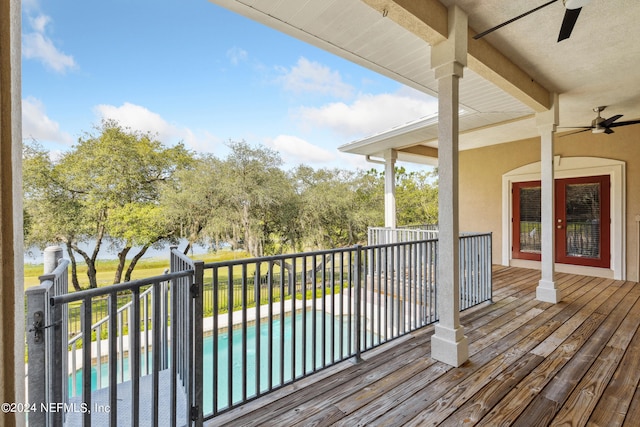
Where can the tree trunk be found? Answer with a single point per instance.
(122, 259)
(91, 266)
(74, 269)
(134, 261)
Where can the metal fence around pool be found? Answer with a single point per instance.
(218, 335)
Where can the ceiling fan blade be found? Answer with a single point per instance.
(491, 30)
(608, 122)
(569, 21)
(628, 122)
(608, 131)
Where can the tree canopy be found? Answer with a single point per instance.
(105, 190)
(124, 189)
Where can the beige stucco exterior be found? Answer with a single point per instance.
(481, 171)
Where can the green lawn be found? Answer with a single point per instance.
(106, 269)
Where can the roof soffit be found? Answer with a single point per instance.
(427, 19)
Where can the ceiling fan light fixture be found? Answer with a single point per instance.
(598, 130)
(575, 4)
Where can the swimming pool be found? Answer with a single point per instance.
(324, 347)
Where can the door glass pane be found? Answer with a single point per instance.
(583, 220)
(530, 219)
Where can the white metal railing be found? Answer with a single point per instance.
(384, 235)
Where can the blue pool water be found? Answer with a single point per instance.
(291, 359)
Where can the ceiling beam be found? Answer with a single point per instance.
(420, 150)
(427, 19)
(494, 66)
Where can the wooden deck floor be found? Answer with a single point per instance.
(531, 364)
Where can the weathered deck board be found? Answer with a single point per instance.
(531, 363)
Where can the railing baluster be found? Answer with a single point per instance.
(258, 343)
(230, 336)
(292, 278)
(351, 281)
(215, 361)
(304, 315)
(323, 320)
(98, 330)
(74, 369)
(173, 294)
(121, 345)
(113, 359)
(358, 303)
(314, 330)
(134, 361)
(156, 354)
(244, 331)
(86, 359)
(270, 325)
(282, 321)
(145, 315)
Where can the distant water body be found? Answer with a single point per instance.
(33, 255)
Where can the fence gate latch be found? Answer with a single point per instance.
(195, 413)
(38, 326)
(194, 290)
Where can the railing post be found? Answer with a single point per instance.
(37, 375)
(197, 296)
(490, 267)
(357, 277)
(57, 334)
(44, 343)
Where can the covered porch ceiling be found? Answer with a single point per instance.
(511, 73)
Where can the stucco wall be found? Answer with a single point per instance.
(481, 173)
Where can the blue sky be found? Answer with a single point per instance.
(194, 72)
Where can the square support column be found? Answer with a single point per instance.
(12, 366)
(448, 59)
(547, 122)
(390, 218)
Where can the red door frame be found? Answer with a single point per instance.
(605, 220)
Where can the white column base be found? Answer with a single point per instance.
(547, 292)
(450, 346)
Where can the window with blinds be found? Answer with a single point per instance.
(526, 220)
(530, 219)
(582, 213)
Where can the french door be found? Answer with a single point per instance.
(582, 220)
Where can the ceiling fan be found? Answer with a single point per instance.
(602, 125)
(572, 11)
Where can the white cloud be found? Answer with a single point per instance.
(37, 125)
(36, 44)
(296, 150)
(30, 5)
(312, 77)
(237, 55)
(369, 114)
(142, 119)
